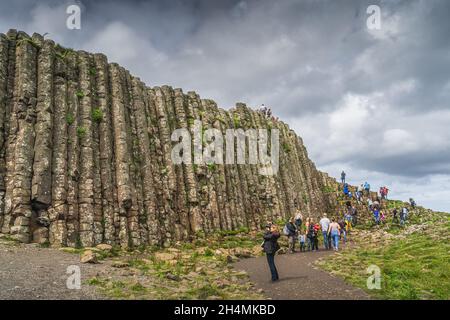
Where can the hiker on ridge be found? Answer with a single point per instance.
(343, 174)
(412, 203)
(325, 224)
(270, 247)
(367, 188)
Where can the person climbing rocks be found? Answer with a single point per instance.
(343, 174)
(334, 231)
(382, 217)
(346, 189)
(376, 204)
(376, 215)
(348, 221)
(343, 232)
(369, 203)
(325, 224)
(367, 188)
(386, 191)
(403, 215)
(412, 203)
(270, 247)
(291, 232)
(394, 215)
(298, 219)
(359, 192)
(354, 214)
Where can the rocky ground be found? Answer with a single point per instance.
(33, 272)
(231, 266)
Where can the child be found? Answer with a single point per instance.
(383, 217)
(301, 239)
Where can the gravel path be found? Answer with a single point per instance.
(299, 280)
(30, 272)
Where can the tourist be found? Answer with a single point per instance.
(354, 213)
(343, 177)
(376, 215)
(382, 217)
(301, 240)
(291, 232)
(298, 220)
(403, 215)
(334, 231)
(394, 216)
(270, 247)
(412, 203)
(311, 235)
(324, 224)
(341, 223)
(316, 236)
(348, 221)
(346, 189)
(367, 188)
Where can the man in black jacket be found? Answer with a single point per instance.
(270, 247)
(292, 234)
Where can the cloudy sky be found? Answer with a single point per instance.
(373, 102)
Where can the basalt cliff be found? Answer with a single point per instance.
(85, 156)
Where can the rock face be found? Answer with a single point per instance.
(85, 156)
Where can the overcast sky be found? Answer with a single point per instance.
(375, 103)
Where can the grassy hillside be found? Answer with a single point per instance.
(414, 260)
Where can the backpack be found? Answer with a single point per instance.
(285, 230)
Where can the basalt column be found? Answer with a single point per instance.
(86, 156)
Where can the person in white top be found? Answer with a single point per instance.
(324, 224)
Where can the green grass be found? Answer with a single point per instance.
(81, 132)
(97, 115)
(416, 267)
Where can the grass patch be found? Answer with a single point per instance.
(413, 268)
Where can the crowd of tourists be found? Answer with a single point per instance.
(306, 233)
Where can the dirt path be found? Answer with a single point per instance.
(30, 272)
(299, 280)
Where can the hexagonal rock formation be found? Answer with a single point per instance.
(85, 156)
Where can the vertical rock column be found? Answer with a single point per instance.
(22, 162)
(10, 130)
(146, 168)
(85, 136)
(106, 148)
(121, 152)
(41, 184)
(73, 151)
(3, 101)
(58, 212)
